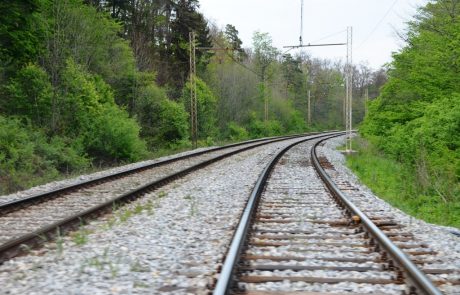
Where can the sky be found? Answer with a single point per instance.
(375, 24)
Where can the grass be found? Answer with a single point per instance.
(397, 183)
(193, 204)
(80, 237)
(102, 262)
(35, 180)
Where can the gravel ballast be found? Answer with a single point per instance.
(438, 238)
(170, 241)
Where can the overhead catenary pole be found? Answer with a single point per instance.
(193, 101)
(264, 86)
(309, 108)
(312, 45)
(366, 100)
(349, 88)
(192, 79)
(301, 23)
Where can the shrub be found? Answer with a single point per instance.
(237, 132)
(28, 158)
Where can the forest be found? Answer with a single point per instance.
(96, 83)
(415, 121)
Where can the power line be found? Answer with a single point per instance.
(238, 62)
(378, 23)
(330, 35)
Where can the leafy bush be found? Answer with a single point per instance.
(258, 128)
(399, 184)
(28, 158)
(91, 115)
(207, 108)
(115, 136)
(163, 121)
(295, 122)
(416, 119)
(29, 94)
(237, 132)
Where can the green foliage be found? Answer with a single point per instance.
(206, 107)
(29, 94)
(399, 184)
(21, 32)
(416, 119)
(237, 132)
(173, 122)
(115, 136)
(90, 114)
(264, 54)
(27, 157)
(259, 128)
(295, 122)
(84, 74)
(164, 122)
(91, 38)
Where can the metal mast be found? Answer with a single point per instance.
(301, 24)
(309, 108)
(193, 102)
(349, 87)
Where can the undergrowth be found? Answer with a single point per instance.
(398, 184)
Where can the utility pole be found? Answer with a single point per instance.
(264, 86)
(309, 109)
(193, 98)
(349, 88)
(301, 45)
(366, 100)
(312, 45)
(193, 102)
(301, 24)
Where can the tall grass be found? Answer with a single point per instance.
(398, 184)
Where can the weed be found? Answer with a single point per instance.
(95, 262)
(162, 194)
(405, 186)
(125, 215)
(80, 237)
(193, 204)
(138, 284)
(25, 248)
(115, 206)
(111, 222)
(138, 209)
(138, 267)
(59, 241)
(149, 207)
(113, 269)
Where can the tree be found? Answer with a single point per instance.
(206, 108)
(264, 55)
(20, 33)
(415, 119)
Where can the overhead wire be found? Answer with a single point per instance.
(237, 61)
(330, 35)
(378, 23)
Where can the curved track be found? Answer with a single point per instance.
(31, 221)
(300, 234)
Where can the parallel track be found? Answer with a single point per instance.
(29, 222)
(299, 237)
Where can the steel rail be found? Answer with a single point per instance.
(9, 206)
(225, 279)
(21, 244)
(416, 277)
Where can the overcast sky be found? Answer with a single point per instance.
(375, 23)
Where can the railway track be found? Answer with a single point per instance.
(301, 234)
(29, 222)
